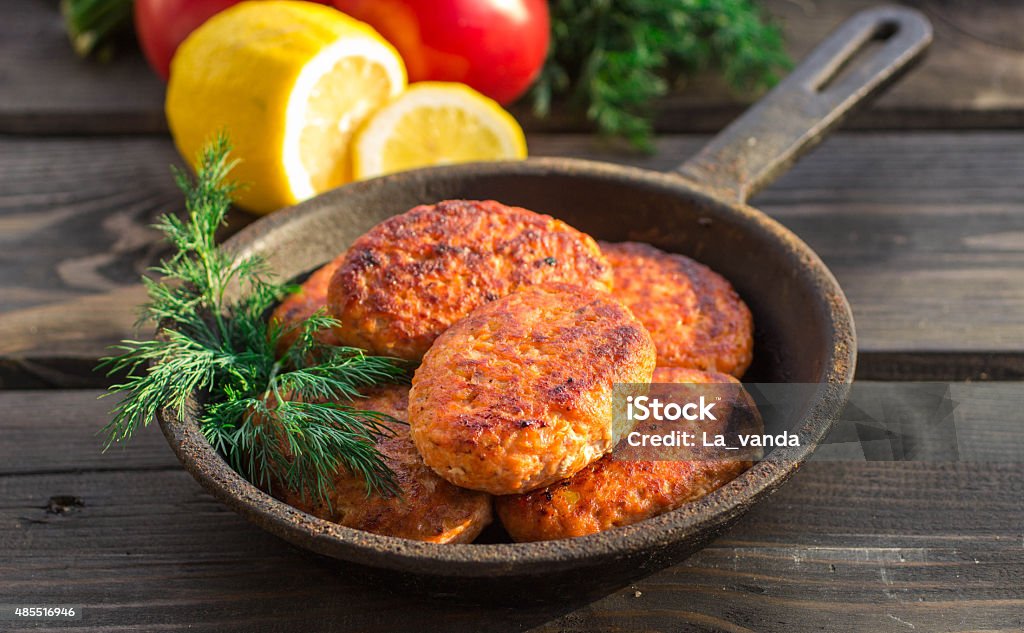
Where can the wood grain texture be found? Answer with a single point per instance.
(75, 236)
(974, 76)
(925, 232)
(45, 88)
(845, 546)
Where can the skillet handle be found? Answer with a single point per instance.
(766, 139)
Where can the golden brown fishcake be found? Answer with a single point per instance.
(693, 314)
(614, 492)
(412, 276)
(429, 509)
(300, 305)
(519, 394)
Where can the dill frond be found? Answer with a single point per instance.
(277, 421)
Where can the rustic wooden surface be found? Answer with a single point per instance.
(880, 547)
(924, 229)
(974, 76)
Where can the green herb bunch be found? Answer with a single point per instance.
(274, 417)
(613, 58)
(93, 25)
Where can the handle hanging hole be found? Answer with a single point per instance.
(869, 47)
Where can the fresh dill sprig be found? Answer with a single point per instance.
(613, 58)
(276, 418)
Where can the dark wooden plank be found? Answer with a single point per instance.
(60, 432)
(44, 87)
(75, 214)
(74, 225)
(844, 546)
(911, 365)
(75, 236)
(924, 231)
(974, 76)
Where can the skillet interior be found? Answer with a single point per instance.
(804, 333)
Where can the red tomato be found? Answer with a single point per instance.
(495, 46)
(161, 25)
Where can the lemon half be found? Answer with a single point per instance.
(435, 123)
(290, 82)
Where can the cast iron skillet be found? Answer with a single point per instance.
(804, 326)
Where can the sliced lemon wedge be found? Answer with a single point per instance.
(291, 83)
(435, 123)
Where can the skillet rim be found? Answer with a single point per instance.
(691, 521)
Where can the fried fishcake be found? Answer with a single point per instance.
(412, 276)
(429, 508)
(300, 305)
(519, 394)
(613, 491)
(693, 314)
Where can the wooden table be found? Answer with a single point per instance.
(919, 210)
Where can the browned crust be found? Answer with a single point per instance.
(412, 276)
(519, 394)
(612, 492)
(696, 318)
(429, 509)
